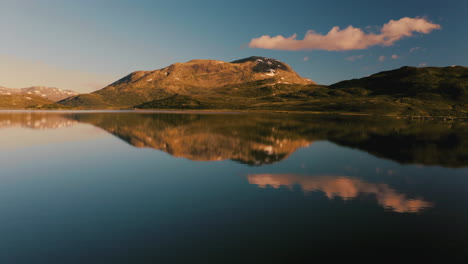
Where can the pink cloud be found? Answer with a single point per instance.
(381, 58)
(422, 64)
(394, 56)
(306, 58)
(350, 38)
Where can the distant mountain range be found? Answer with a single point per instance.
(31, 96)
(259, 83)
(50, 93)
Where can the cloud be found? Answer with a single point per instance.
(19, 73)
(414, 49)
(422, 64)
(350, 38)
(355, 57)
(306, 58)
(393, 57)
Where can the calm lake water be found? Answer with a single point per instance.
(123, 187)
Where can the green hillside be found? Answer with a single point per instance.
(20, 101)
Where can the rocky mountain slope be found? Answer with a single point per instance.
(206, 79)
(49, 93)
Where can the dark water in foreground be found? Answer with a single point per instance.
(230, 188)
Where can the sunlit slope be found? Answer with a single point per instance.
(205, 78)
(21, 101)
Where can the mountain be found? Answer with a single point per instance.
(205, 80)
(49, 93)
(258, 83)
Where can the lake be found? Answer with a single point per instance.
(146, 187)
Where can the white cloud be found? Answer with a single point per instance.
(414, 49)
(355, 57)
(350, 38)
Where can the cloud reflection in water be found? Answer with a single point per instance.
(347, 188)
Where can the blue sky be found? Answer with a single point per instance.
(84, 45)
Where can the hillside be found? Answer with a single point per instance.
(208, 79)
(448, 83)
(21, 101)
(414, 91)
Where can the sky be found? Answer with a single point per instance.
(85, 45)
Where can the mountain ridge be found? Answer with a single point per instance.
(259, 83)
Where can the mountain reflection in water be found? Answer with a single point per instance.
(346, 188)
(268, 138)
(87, 187)
(258, 139)
(35, 120)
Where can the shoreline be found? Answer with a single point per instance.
(221, 111)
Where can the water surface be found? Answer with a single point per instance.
(129, 187)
